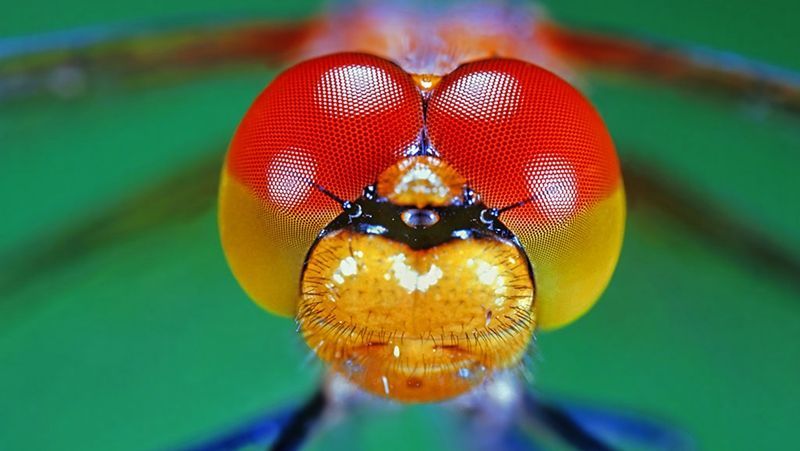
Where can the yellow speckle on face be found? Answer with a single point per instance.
(416, 321)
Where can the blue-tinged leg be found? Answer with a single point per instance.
(297, 429)
(562, 424)
(619, 427)
(286, 430)
(590, 428)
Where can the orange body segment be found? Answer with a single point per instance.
(416, 325)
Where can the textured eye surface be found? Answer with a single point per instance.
(337, 121)
(516, 131)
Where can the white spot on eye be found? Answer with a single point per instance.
(356, 90)
(289, 176)
(410, 279)
(484, 96)
(396, 352)
(338, 278)
(554, 185)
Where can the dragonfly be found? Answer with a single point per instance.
(108, 58)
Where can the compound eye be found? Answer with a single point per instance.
(419, 218)
(335, 122)
(517, 132)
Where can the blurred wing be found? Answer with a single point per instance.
(69, 62)
(710, 70)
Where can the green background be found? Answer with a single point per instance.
(147, 342)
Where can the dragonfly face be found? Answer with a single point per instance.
(490, 202)
(416, 292)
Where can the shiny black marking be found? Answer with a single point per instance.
(378, 216)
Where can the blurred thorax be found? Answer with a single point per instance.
(435, 39)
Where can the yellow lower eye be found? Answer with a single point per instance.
(416, 325)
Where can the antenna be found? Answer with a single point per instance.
(326, 192)
(516, 205)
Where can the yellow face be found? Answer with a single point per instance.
(417, 323)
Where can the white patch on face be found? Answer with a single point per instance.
(289, 176)
(554, 185)
(410, 279)
(489, 274)
(356, 90)
(491, 95)
(348, 267)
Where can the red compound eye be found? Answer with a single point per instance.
(337, 120)
(516, 131)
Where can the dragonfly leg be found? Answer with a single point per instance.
(561, 424)
(491, 414)
(586, 428)
(286, 429)
(505, 415)
(297, 429)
